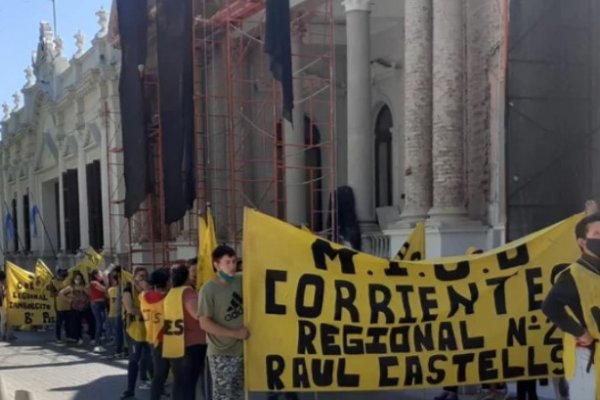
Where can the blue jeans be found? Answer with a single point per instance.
(99, 311)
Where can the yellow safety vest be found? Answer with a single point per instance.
(134, 325)
(153, 319)
(174, 328)
(112, 302)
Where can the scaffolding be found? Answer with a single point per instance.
(248, 154)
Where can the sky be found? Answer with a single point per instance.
(19, 34)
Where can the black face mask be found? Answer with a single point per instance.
(593, 246)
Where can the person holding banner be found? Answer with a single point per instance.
(221, 315)
(572, 305)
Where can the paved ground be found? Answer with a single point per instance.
(52, 372)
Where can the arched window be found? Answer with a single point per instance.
(383, 158)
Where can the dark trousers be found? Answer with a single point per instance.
(75, 324)
(527, 390)
(119, 333)
(140, 360)
(161, 373)
(186, 371)
(62, 319)
(88, 315)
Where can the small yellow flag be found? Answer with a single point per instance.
(89, 262)
(414, 247)
(43, 275)
(207, 241)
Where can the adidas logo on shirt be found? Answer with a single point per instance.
(235, 308)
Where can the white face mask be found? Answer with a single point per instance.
(78, 281)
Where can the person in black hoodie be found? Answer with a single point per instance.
(568, 294)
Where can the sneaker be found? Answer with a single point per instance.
(145, 385)
(98, 349)
(127, 395)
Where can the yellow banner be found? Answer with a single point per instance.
(207, 241)
(414, 247)
(89, 262)
(327, 318)
(43, 275)
(26, 305)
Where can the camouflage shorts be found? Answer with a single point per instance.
(227, 377)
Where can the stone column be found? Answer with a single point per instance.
(20, 231)
(448, 107)
(84, 230)
(61, 195)
(104, 132)
(294, 162)
(360, 136)
(417, 109)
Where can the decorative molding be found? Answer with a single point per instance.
(356, 5)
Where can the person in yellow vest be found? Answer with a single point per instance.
(140, 360)
(111, 294)
(184, 342)
(221, 315)
(573, 305)
(151, 303)
(62, 305)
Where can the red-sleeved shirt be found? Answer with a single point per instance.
(95, 293)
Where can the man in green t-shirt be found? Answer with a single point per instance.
(221, 316)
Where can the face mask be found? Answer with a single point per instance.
(77, 281)
(225, 277)
(593, 245)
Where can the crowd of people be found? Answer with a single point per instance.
(159, 322)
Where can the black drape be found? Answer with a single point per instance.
(278, 46)
(133, 29)
(175, 69)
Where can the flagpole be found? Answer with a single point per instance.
(32, 199)
(47, 235)
(54, 17)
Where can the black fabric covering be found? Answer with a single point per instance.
(175, 69)
(347, 226)
(278, 46)
(133, 29)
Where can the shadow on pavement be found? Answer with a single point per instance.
(103, 388)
